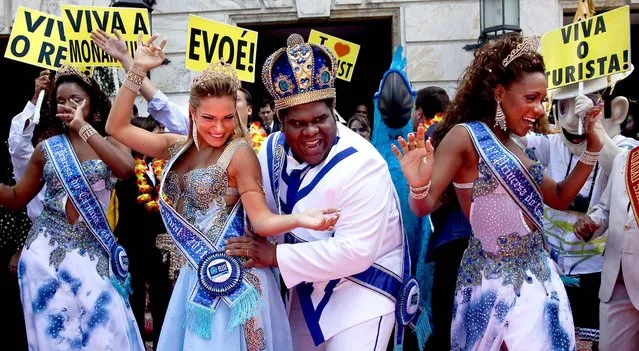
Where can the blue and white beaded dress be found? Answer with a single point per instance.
(68, 299)
(203, 205)
(508, 290)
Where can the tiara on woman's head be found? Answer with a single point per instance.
(527, 45)
(68, 71)
(217, 70)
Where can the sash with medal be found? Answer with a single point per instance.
(69, 170)
(220, 277)
(509, 172)
(632, 180)
(403, 291)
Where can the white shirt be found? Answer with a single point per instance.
(368, 231)
(20, 150)
(615, 216)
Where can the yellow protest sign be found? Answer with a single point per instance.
(80, 21)
(598, 46)
(209, 41)
(345, 51)
(37, 38)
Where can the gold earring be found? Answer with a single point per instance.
(500, 118)
(197, 146)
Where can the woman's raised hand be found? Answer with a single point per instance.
(116, 47)
(148, 55)
(594, 129)
(416, 158)
(320, 220)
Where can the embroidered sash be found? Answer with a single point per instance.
(69, 170)
(632, 180)
(220, 277)
(509, 171)
(403, 291)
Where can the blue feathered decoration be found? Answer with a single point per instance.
(418, 229)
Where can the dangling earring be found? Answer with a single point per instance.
(197, 146)
(500, 118)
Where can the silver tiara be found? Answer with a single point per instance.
(527, 45)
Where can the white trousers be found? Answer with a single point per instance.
(372, 335)
(618, 322)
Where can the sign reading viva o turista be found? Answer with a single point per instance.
(596, 47)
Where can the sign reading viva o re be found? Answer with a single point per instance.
(38, 39)
(210, 41)
(80, 21)
(596, 47)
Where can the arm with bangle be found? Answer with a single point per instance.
(147, 57)
(159, 106)
(112, 153)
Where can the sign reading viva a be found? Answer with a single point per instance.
(345, 51)
(38, 39)
(596, 47)
(210, 41)
(80, 21)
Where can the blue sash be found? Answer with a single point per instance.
(403, 291)
(220, 277)
(69, 170)
(509, 171)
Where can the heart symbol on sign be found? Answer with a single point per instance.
(341, 49)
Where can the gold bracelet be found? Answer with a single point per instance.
(87, 131)
(134, 79)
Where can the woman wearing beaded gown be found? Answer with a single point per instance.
(69, 296)
(212, 178)
(509, 294)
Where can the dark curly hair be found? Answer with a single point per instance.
(51, 125)
(475, 98)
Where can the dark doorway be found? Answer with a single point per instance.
(374, 37)
(19, 82)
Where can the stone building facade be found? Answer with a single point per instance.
(433, 32)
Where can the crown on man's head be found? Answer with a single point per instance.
(68, 71)
(299, 73)
(217, 70)
(527, 46)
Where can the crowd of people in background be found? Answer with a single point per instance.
(176, 189)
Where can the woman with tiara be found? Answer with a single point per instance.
(212, 178)
(72, 274)
(509, 294)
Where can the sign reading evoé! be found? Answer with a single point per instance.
(210, 41)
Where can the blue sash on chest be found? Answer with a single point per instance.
(220, 277)
(69, 170)
(509, 171)
(403, 291)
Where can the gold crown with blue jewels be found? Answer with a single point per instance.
(299, 73)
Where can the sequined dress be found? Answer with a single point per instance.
(508, 290)
(204, 206)
(68, 300)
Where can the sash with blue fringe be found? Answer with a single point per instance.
(509, 172)
(69, 170)
(403, 291)
(220, 277)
